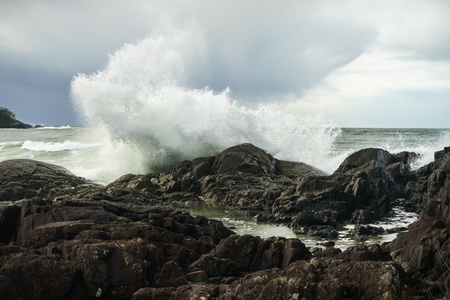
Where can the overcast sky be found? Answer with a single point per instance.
(357, 63)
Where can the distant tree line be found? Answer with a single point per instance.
(6, 116)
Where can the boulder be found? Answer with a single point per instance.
(377, 157)
(296, 169)
(24, 178)
(245, 158)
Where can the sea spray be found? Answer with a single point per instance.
(146, 98)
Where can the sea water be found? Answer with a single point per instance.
(90, 153)
(150, 107)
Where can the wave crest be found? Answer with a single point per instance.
(56, 147)
(145, 99)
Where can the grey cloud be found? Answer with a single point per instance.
(287, 57)
(263, 50)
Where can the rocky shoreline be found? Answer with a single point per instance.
(65, 237)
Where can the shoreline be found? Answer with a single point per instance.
(116, 229)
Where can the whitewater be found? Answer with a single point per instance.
(150, 108)
(89, 152)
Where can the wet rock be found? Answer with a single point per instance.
(376, 157)
(24, 178)
(296, 169)
(248, 178)
(328, 252)
(243, 253)
(104, 249)
(197, 276)
(170, 275)
(367, 230)
(9, 216)
(363, 252)
(245, 158)
(215, 267)
(424, 250)
(72, 239)
(324, 280)
(328, 244)
(363, 216)
(324, 232)
(193, 291)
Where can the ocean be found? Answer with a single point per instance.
(91, 152)
(151, 107)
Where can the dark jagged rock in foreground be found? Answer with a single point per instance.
(64, 237)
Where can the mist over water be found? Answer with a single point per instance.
(151, 100)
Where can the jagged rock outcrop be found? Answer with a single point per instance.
(63, 237)
(244, 253)
(424, 251)
(358, 273)
(87, 250)
(242, 177)
(361, 191)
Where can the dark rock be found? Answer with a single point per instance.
(193, 291)
(363, 216)
(328, 244)
(247, 178)
(23, 178)
(248, 253)
(328, 252)
(424, 250)
(170, 275)
(363, 252)
(322, 279)
(90, 249)
(367, 230)
(379, 157)
(245, 158)
(197, 276)
(202, 167)
(9, 217)
(72, 239)
(17, 125)
(214, 266)
(324, 232)
(396, 229)
(296, 169)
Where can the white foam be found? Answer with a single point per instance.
(144, 98)
(54, 127)
(425, 146)
(56, 146)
